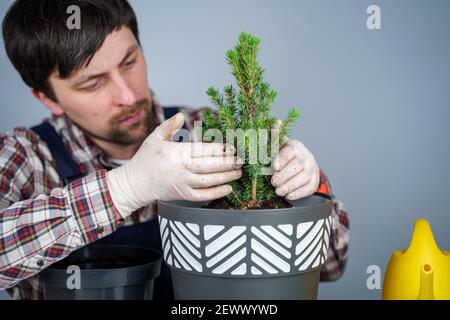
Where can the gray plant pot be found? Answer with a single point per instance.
(107, 272)
(245, 254)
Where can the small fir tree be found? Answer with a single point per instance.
(247, 106)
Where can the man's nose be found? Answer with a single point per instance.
(124, 94)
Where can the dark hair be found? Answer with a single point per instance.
(37, 39)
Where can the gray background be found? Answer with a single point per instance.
(375, 104)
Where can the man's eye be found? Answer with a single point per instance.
(93, 86)
(129, 63)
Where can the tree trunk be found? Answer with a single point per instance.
(254, 190)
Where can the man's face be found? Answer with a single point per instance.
(109, 99)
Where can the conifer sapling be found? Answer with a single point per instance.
(244, 118)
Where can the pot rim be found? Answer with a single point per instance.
(176, 204)
(103, 246)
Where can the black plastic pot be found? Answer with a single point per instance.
(245, 254)
(107, 272)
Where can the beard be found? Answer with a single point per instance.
(131, 134)
(128, 135)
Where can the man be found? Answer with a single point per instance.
(94, 82)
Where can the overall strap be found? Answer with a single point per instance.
(66, 166)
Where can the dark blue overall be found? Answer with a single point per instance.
(142, 234)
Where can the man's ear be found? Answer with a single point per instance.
(53, 106)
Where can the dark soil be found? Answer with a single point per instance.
(224, 203)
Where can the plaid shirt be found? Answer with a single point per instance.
(42, 221)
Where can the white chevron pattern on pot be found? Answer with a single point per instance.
(241, 250)
(181, 244)
(225, 249)
(311, 250)
(270, 250)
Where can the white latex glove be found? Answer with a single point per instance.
(297, 174)
(167, 170)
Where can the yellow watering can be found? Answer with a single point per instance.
(420, 272)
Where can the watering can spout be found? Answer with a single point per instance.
(426, 283)
(423, 240)
(420, 272)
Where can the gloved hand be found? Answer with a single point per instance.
(297, 174)
(167, 170)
